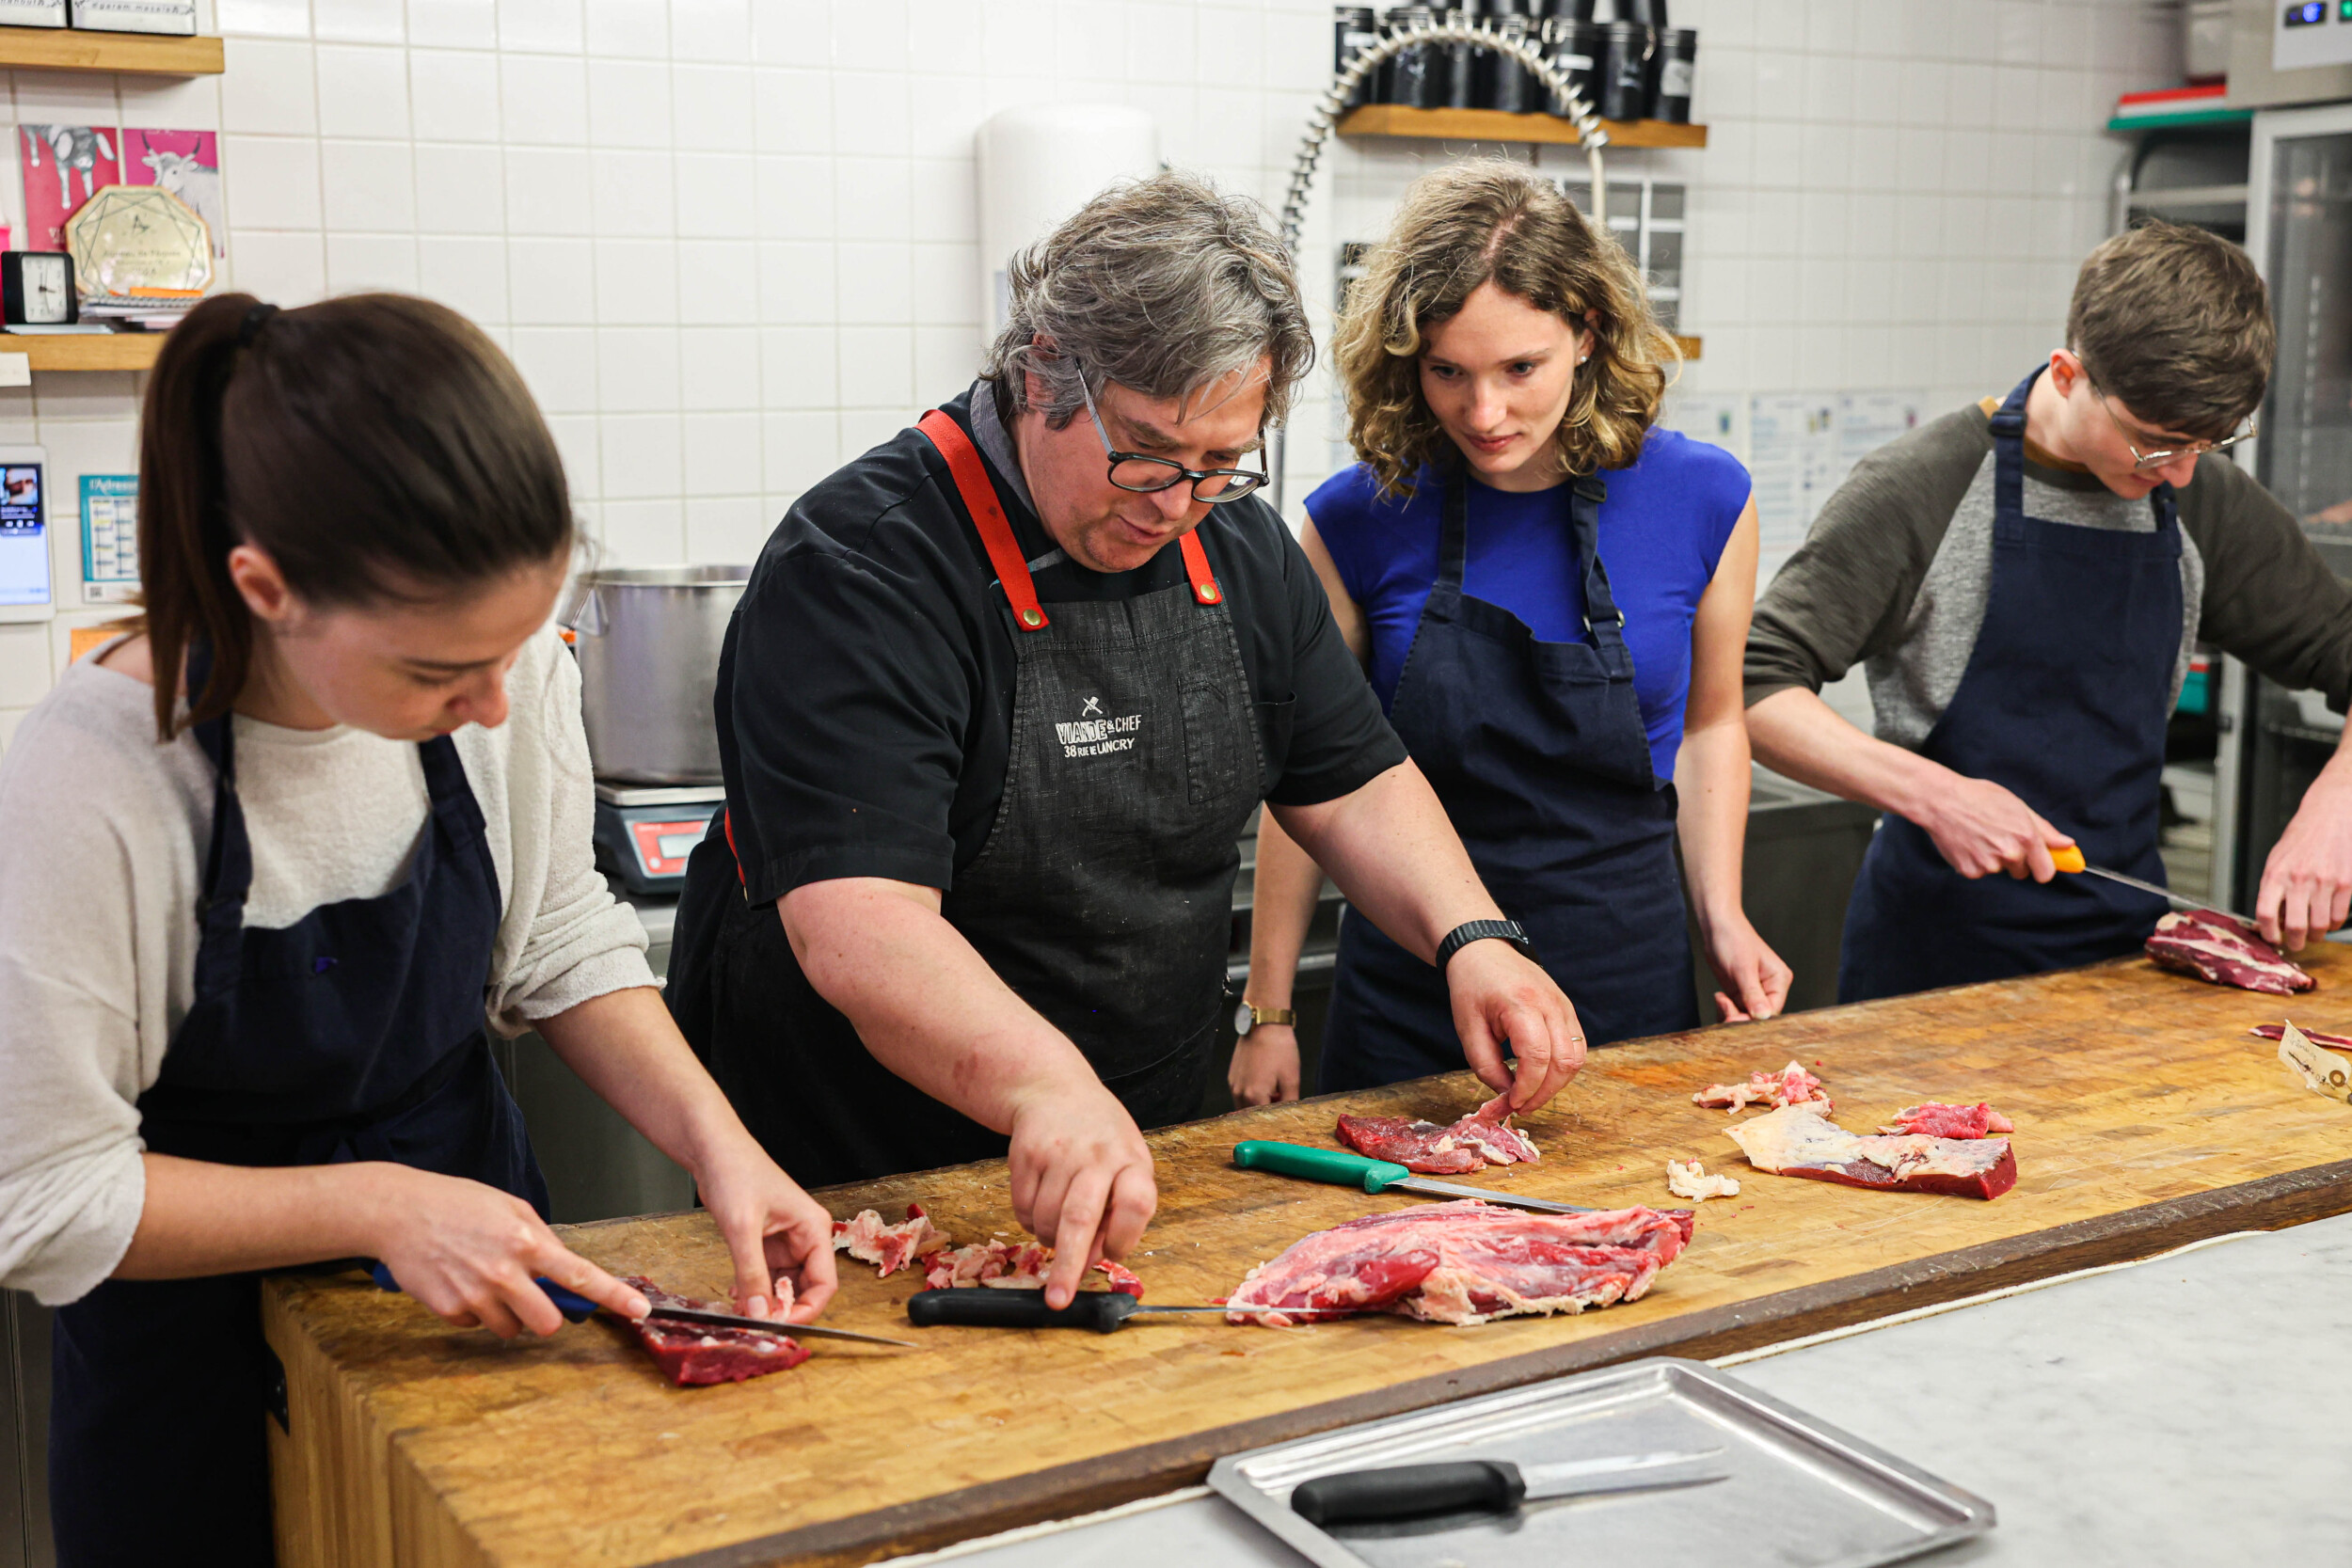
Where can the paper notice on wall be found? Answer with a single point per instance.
(1792, 457)
(1712, 419)
(1867, 421)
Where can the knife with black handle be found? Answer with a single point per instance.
(1488, 1485)
(981, 1306)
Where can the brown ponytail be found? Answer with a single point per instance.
(378, 446)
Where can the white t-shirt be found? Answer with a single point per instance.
(100, 867)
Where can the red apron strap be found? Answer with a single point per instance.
(987, 515)
(726, 824)
(1204, 586)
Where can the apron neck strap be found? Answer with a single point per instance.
(995, 529)
(988, 516)
(1602, 617)
(2008, 466)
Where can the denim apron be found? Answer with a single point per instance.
(354, 1034)
(2064, 701)
(1538, 753)
(1103, 896)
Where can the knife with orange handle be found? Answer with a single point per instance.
(2071, 859)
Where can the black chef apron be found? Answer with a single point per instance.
(1103, 896)
(2064, 701)
(354, 1034)
(1538, 752)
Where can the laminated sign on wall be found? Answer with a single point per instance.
(110, 537)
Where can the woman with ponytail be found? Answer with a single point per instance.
(283, 855)
(1551, 595)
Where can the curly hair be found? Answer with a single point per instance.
(1487, 220)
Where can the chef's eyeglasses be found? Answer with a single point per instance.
(2158, 459)
(1149, 476)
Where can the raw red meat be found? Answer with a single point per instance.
(1012, 1266)
(699, 1353)
(1791, 1086)
(1801, 1140)
(2213, 947)
(888, 1247)
(2278, 1032)
(1484, 1137)
(1463, 1262)
(1938, 1121)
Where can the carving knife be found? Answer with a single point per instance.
(1344, 1168)
(2071, 859)
(986, 1306)
(1493, 1485)
(579, 1308)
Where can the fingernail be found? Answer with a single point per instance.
(755, 1308)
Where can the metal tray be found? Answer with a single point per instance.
(1802, 1494)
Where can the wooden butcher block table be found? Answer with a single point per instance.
(2146, 1117)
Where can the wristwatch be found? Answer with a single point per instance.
(1247, 1017)
(1479, 930)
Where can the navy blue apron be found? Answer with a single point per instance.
(354, 1034)
(2064, 702)
(1538, 753)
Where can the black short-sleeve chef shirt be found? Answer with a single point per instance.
(864, 695)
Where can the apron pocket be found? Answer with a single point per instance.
(1212, 755)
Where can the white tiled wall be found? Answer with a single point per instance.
(732, 242)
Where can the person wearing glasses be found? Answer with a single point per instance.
(994, 709)
(2023, 581)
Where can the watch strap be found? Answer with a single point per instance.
(1480, 930)
(1271, 1015)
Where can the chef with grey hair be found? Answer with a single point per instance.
(995, 708)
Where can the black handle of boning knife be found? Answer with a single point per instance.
(983, 1307)
(1409, 1491)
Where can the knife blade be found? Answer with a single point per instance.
(1346, 1169)
(985, 1306)
(1493, 1485)
(579, 1308)
(2070, 859)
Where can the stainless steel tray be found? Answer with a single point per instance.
(1802, 1494)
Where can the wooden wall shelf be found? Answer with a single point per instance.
(1393, 119)
(134, 54)
(115, 351)
(1689, 346)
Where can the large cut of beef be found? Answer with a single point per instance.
(2228, 952)
(1791, 1086)
(1463, 1262)
(1801, 1140)
(700, 1352)
(1484, 1137)
(1938, 1121)
(888, 1247)
(1013, 1266)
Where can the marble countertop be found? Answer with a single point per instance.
(2195, 1408)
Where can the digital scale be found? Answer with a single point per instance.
(645, 834)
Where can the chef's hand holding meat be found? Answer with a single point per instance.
(1505, 1005)
(1081, 1177)
(2307, 882)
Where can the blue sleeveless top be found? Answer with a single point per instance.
(1662, 531)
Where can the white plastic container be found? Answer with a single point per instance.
(1040, 165)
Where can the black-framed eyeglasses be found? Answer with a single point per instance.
(2158, 459)
(1147, 476)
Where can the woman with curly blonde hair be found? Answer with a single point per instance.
(1551, 595)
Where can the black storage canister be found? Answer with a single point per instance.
(1353, 31)
(1503, 83)
(1568, 10)
(1674, 66)
(1575, 49)
(1625, 71)
(1416, 75)
(1461, 63)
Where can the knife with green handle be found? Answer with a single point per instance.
(1342, 1168)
